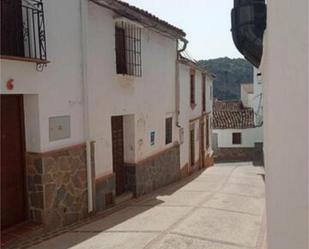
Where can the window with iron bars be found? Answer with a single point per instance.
(192, 88)
(23, 29)
(128, 49)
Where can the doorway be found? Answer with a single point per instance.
(192, 147)
(13, 191)
(202, 144)
(118, 154)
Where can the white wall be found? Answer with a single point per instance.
(57, 90)
(246, 97)
(285, 75)
(151, 98)
(249, 137)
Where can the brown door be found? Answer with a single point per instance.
(118, 154)
(207, 132)
(13, 204)
(192, 147)
(202, 145)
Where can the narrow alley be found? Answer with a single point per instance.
(219, 208)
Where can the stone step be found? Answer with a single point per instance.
(126, 196)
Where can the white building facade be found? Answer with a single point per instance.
(273, 36)
(96, 116)
(284, 68)
(236, 137)
(195, 117)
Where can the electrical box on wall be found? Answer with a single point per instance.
(59, 128)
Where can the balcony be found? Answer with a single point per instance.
(23, 35)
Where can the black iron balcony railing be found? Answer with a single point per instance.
(23, 30)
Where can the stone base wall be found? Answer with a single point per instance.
(254, 154)
(57, 186)
(154, 172)
(105, 192)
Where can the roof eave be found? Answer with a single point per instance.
(138, 15)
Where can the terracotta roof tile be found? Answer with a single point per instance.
(122, 7)
(232, 115)
(231, 105)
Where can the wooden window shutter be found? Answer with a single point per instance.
(236, 138)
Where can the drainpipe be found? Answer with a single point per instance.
(84, 19)
(177, 83)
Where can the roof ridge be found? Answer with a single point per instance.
(145, 13)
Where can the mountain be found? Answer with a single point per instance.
(230, 73)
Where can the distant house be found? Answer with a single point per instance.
(235, 135)
(195, 103)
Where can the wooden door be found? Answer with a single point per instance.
(207, 132)
(118, 154)
(192, 147)
(13, 201)
(202, 144)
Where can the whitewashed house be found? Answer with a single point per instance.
(238, 131)
(235, 135)
(90, 105)
(285, 66)
(274, 37)
(195, 103)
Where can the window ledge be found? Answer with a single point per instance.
(128, 76)
(25, 59)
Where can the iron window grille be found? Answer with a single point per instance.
(23, 29)
(128, 49)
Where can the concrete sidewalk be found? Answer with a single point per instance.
(221, 208)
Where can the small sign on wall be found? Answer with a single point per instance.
(59, 128)
(152, 138)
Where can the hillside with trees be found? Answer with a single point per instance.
(230, 73)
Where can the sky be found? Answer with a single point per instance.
(206, 23)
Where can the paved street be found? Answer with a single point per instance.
(220, 208)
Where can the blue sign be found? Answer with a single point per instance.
(152, 138)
